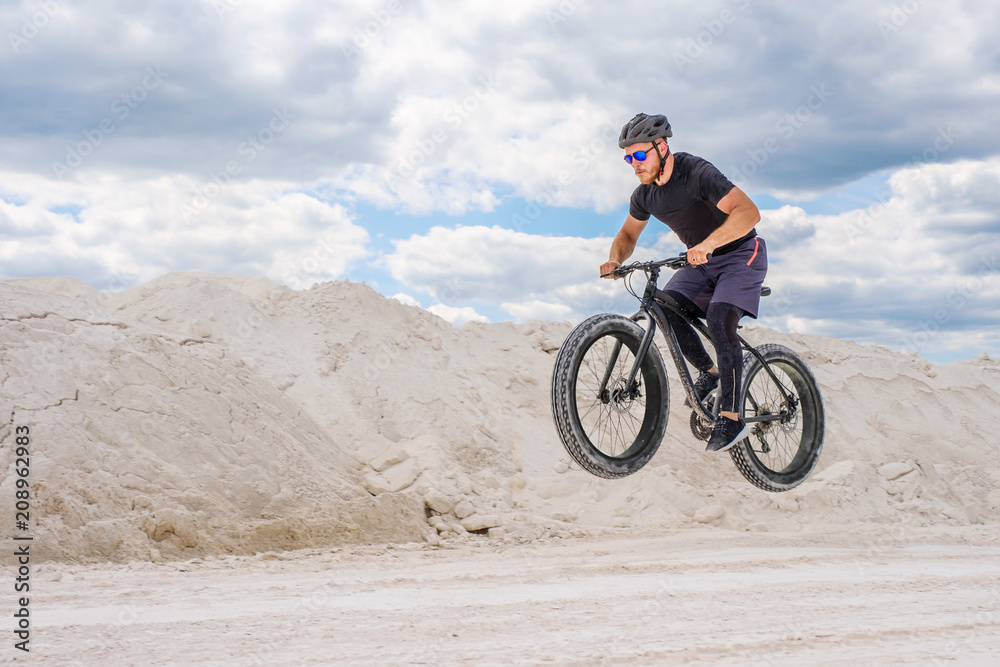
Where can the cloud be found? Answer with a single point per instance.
(495, 265)
(457, 316)
(406, 299)
(538, 310)
(120, 232)
(523, 98)
(117, 116)
(528, 276)
(886, 273)
(924, 258)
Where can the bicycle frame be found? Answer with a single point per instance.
(651, 308)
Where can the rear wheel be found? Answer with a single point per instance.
(609, 427)
(786, 421)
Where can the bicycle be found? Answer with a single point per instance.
(611, 398)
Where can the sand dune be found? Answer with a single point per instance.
(205, 414)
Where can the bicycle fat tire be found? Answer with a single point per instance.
(617, 434)
(779, 455)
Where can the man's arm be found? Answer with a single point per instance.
(743, 216)
(624, 244)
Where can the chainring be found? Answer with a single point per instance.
(700, 428)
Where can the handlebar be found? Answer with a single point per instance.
(675, 263)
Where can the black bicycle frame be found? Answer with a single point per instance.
(651, 308)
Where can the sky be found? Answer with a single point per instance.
(462, 157)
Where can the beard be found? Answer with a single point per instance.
(649, 174)
(647, 178)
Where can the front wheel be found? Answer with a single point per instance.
(786, 421)
(609, 427)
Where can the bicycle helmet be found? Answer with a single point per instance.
(644, 128)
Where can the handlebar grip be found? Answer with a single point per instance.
(684, 256)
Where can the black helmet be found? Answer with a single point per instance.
(644, 128)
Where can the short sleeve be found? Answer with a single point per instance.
(706, 182)
(637, 205)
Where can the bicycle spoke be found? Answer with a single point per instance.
(612, 421)
(775, 444)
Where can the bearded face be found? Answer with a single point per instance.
(648, 170)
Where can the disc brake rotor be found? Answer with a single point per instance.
(621, 398)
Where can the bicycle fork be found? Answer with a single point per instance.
(631, 386)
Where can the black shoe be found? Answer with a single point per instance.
(703, 386)
(726, 433)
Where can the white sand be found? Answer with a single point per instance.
(699, 596)
(203, 415)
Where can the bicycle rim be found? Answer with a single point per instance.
(777, 446)
(619, 420)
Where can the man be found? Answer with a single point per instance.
(711, 216)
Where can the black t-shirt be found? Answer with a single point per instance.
(688, 201)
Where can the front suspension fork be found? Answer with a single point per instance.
(640, 355)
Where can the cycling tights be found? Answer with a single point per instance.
(722, 320)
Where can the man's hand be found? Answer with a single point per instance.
(608, 267)
(699, 253)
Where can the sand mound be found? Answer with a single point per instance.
(203, 414)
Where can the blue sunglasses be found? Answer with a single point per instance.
(638, 155)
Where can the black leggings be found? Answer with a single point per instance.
(722, 320)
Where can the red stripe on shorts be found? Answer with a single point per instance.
(756, 244)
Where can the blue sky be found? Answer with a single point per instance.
(462, 156)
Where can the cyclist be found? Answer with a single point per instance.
(711, 216)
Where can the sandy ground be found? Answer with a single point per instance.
(705, 596)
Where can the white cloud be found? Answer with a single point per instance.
(131, 230)
(457, 316)
(406, 300)
(538, 310)
(923, 260)
(522, 91)
(885, 273)
(493, 263)
(527, 275)
(490, 101)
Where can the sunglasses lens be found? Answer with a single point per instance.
(638, 155)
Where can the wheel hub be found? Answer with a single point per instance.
(618, 396)
(789, 420)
